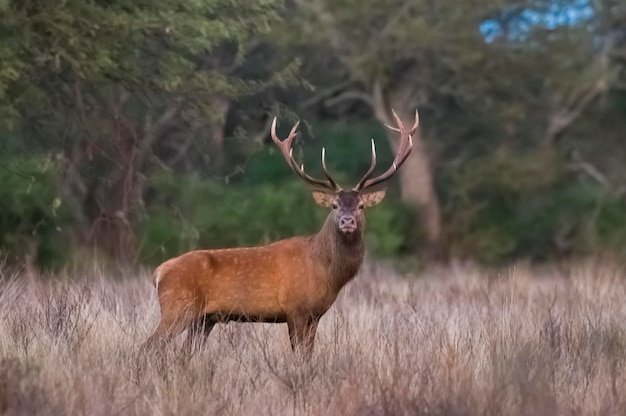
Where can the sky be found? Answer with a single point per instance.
(558, 14)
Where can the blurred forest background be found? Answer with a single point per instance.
(134, 130)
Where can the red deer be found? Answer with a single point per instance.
(293, 281)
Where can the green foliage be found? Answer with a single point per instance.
(348, 150)
(390, 226)
(211, 215)
(155, 43)
(376, 39)
(33, 215)
(527, 206)
(187, 213)
(112, 87)
(72, 69)
(268, 204)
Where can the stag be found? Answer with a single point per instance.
(293, 281)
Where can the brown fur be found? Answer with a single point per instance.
(294, 280)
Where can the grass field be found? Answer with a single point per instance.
(454, 342)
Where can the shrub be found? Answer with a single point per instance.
(185, 213)
(502, 209)
(33, 216)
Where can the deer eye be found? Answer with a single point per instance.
(361, 205)
(335, 205)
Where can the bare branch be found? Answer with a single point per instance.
(183, 149)
(324, 94)
(570, 107)
(350, 95)
(563, 117)
(259, 137)
(155, 132)
(578, 164)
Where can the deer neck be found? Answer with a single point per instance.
(342, 254)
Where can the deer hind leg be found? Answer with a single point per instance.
(302, 335)
(197, 333)
(176, 315)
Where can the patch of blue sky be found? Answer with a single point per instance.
(558, 13)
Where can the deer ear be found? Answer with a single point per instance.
(323, 199)
(373, 198)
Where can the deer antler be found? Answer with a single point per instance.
(287, 151)
(404, 149)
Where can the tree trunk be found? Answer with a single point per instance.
(118, 192)
(220, 105)
(115, 196)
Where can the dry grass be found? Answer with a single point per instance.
(455, 343)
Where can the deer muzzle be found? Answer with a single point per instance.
(347, 224)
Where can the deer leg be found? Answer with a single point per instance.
(197, 334)
(175, 317)
(302, 335)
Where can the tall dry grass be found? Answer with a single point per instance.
(458, 342)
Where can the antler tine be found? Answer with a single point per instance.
(330, 178)
(287, 152)
(284, 144)
(404, 150)
(369, 171)
(395, 115)
(416, 124)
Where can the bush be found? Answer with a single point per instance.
(33, 216)
(503, 209)
(185, 213)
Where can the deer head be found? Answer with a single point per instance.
(348, 205)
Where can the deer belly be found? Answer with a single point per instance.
(245, 305)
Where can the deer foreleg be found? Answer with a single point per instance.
(302, 335)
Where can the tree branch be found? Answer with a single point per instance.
(182, 150)
(324, 94)
(155, 132)
(578, 164)
(259, 137)
(571, 107)
(562, 118)
(350, 95)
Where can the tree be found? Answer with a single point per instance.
(113, 86)
(549, 106)
(399, 54)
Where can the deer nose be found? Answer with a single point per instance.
(347, 222)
